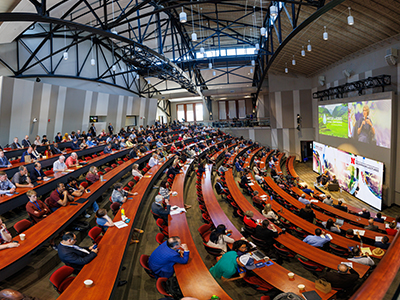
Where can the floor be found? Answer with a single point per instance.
(33, 280)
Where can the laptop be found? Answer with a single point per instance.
(258, 255)
(339, 222)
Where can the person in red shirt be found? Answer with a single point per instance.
(72, 160)
(36, 209)
(392, 229)
(59, 197)
(248, 215)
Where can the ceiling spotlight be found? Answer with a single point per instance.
(93, 62)
(210, 65)
(325, 34)
(194, 37)
(202, 50)
(286, 69)
(253, 62)
(350, 18)
(65, 55)
(303, 52)
(309, 46)
(293, 61)
(182, 17)
(273, 11)
(263, 31)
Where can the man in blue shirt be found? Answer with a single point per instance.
(75, 145)
(307, 190)
(317, 240)
(163, 259)
(238, 166)
(303, 199)
(107, 149)
(89, 142)
(27, 153)
(4, 163)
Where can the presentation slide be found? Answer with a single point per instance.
(333, 120)
(370, 122)
(362, 177)
(365, 122)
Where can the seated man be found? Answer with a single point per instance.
(158, 208)
(364, 213)
(358, 257)
(89, 142)
(72, 160)
(37, 173)
(379, 218)
(36, 209)
(231, 264)
(345, 277)
(323, 178)
(317, 240)
(21, 178)
(220, 188)
(74, 256)
(75, 144)
(307, 190)
(57, 150)
(6, 187)
(119, 195)
(59, 197)
(303, 199)
(15, 144)
(165, 256)
(340, 206)
(328, 200)
(59, 165)
(238, 166)
(108, 149)
(26, 142)
(4, 163)
(27, 153)
(73, 188)
(371, 225)
(58, 138)
(384, 244)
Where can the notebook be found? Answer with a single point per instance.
(339, 222)
(311, 295)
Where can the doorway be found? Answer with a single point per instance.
(306, 150)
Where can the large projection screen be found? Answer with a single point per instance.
(362, 177)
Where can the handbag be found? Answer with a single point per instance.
(323, 285)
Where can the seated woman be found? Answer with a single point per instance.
(164, 190)
(104, 221)
(248, 215)
(332, 227)
(220, 239)
(323, 179)
(5, 237)
(392, 229)
(37, 141)
(269, 214)
(35, 153)
(66, 138)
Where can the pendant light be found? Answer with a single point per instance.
(303, 52)
(273, 11)
(350, 18)
(262, 30)
(194, 35)
(253, 62)
(293, 61)
(182, 16)
(210, 65)
(325, 34)
(309, 46)
(92, 61)
(286, 68)
(65, 54)
(214, 73)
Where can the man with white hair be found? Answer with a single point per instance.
(158, 208)
(153, 160)
(59, 165)
(72, 160)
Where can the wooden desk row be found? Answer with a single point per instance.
(13, 259)
(194, 278)
(104, 269)
(274, 274)
(320, 216)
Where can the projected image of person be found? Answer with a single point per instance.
(365, 129)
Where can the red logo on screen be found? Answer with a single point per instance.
(353, 160)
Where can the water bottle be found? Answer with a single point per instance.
(101, 177)
(341, 189)
(123, 217)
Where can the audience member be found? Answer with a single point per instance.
(328, 200)
(165, 256)
(358, 257)
(331, 226)
(384, 244)
(4, 163)
(5, 237)
(371, 225)
(340, 206)
(72, 160)
(248, 215)
(57, 150)
(59, 197)
(303, 199)
(308, 191)
(379, 218)
(153, 160)
(73, 188)
(36, 209)
(15, 144)
(269, 213)
(27, 155)
(317, 240)
(35, 153)
(266, 234)
(364, 213)
(344, 278)
(220, 239)
(21, 178)
(392, 228)
(73, 255)
(158, 208)
(108, 149)
(37, 173)
(307, 213)
(119, 194)
(136, 172)
(58, 138)
(230, 265)
(164, 190)
(26, 142)
(92, 176)
(6, 186)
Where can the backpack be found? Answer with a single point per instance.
(172, 288)
(287, 296)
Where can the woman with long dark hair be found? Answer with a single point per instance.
(219, 238)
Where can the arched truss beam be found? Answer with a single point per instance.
(134, 53)
(267, 44)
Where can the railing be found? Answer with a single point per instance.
(234, 123)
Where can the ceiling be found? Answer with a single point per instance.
(222, 25)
